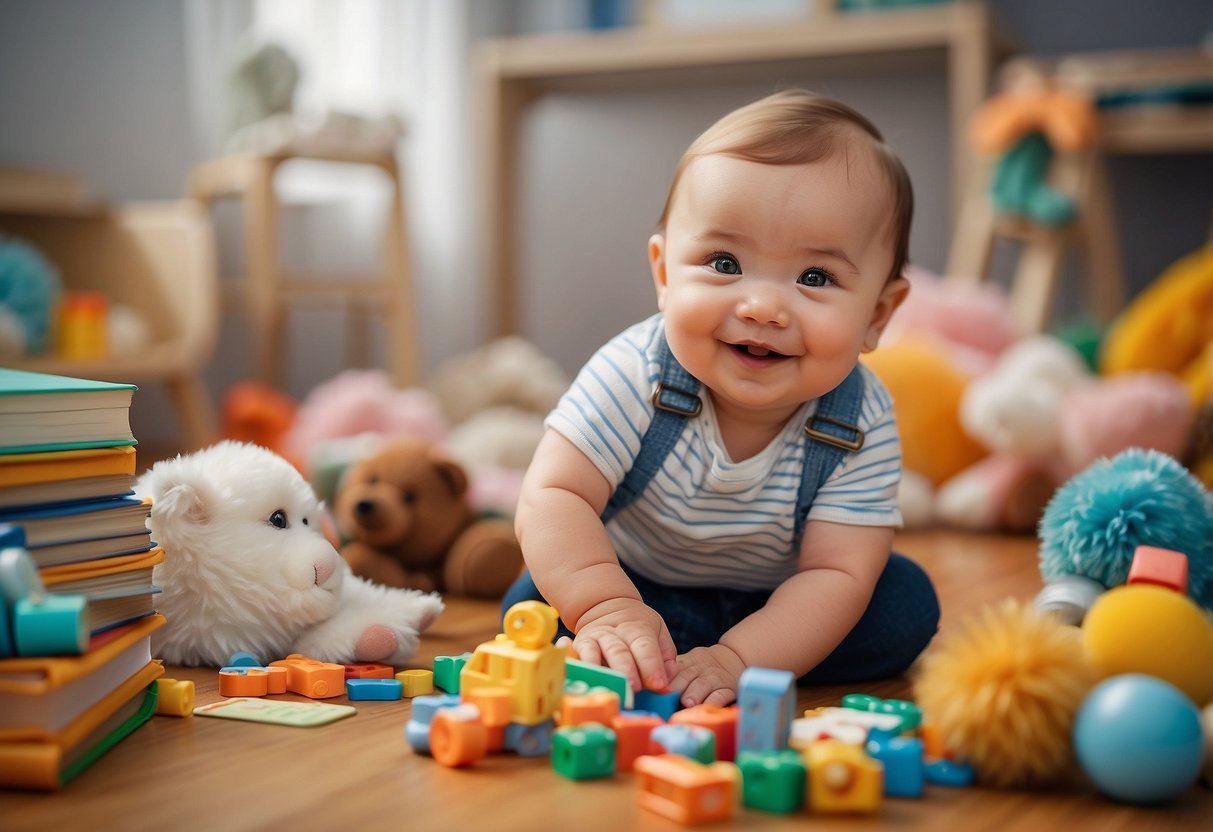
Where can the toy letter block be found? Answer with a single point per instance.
(313, 679)
(174, 697)
(416, 682)
(720, 721)
(368, 671)
(685, 791)
(692, 741)
(766, 700)
(904, 767)
(1162, 567)
(417, 729)
(596, 706)
(378, 690)
(773, 781)
(632, 737)
(842, 778)
(583, 752)
(447, 670)
(457, 736)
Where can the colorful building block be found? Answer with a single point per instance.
(904, 766)
(662, 703)
(494, 705)
(600, 706)
(632, 737)
(374, 689)
(447, 670)
(311, 678)
(723, 722)
(417, 729)
(533, 675)
(583, 752)
(529, 740)
(368, 671)
(596, 676)
(941, 772)
(1161, 567)
(909, 713)
(766, 700)
(811, 729)
(243, 681)
(418, 682)
(685, 791)
(458, 737)
(174, 697)
(692, 741)
(842, 778)
(773, 781)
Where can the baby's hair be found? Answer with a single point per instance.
(795, 127)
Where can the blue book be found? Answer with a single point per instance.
(85, 520)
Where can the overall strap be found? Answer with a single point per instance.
(834, 432)
(676, 399)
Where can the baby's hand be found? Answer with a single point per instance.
(708, 675)
(628, 637)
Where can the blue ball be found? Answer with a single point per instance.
(1139, 739)
(1096, 521)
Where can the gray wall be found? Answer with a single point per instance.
(102, 89)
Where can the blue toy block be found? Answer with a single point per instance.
(766, 700)
(773, 781)
(529, 740)
(904, 767)
(663, 704)
(949, 773)
(417, 729)
(242, 659)
(692, 741)
(379, 690)
(447, 670)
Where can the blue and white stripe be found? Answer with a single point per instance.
(705, 520)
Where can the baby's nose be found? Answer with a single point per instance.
(765, 308)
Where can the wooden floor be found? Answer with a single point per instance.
(212, 774)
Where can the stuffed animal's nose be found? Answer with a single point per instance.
(324, 571)
(364, 507)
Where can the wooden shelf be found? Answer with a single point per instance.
(960, 38)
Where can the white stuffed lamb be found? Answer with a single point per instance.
(247, 568)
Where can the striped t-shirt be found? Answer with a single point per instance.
(705, 520)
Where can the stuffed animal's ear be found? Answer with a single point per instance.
(187, 502)
(451, 472)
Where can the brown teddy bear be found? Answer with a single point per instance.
(405, 512)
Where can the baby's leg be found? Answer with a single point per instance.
(899, 622)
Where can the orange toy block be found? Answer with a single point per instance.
(494, 705)
(687, 792)
(251, 681)
(1162, 567)
(416, 682)
(597, 706)
(632, 738)
(276, 679)
(458, 737)
(311, 678)
(369, 671)
(720, 721)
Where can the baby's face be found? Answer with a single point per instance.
(773, 278)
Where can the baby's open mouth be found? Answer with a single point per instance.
(754, 351)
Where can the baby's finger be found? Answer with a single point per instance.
(651, 664)
(618, 657)
(588, 651)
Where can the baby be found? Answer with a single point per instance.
(718, 488)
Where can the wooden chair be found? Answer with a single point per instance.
(156, 257)
(265, 291)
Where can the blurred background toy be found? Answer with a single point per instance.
(29, 293)
(255, 412)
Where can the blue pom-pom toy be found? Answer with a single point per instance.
(1096, 521)
(29, 290)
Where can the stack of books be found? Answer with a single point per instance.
(67, 466)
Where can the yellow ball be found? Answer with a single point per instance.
(1142, 628)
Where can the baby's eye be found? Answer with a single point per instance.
(815, 277)
(278, 519)
(726, 264)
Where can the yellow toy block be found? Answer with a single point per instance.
(842, 778)
(174, 697)
(416, 683)
(534, 676)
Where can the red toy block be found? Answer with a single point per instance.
(720, 721)
(458, 737)
(632, 738)
(369, 671)
(1162, 567)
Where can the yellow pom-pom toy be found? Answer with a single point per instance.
(1003, 692)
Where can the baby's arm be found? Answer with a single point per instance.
(575, 567)
(804, 619)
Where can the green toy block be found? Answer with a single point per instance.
(594, 675)
(447, 670)
(773, 781)
(910, 714)
(583, 752)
